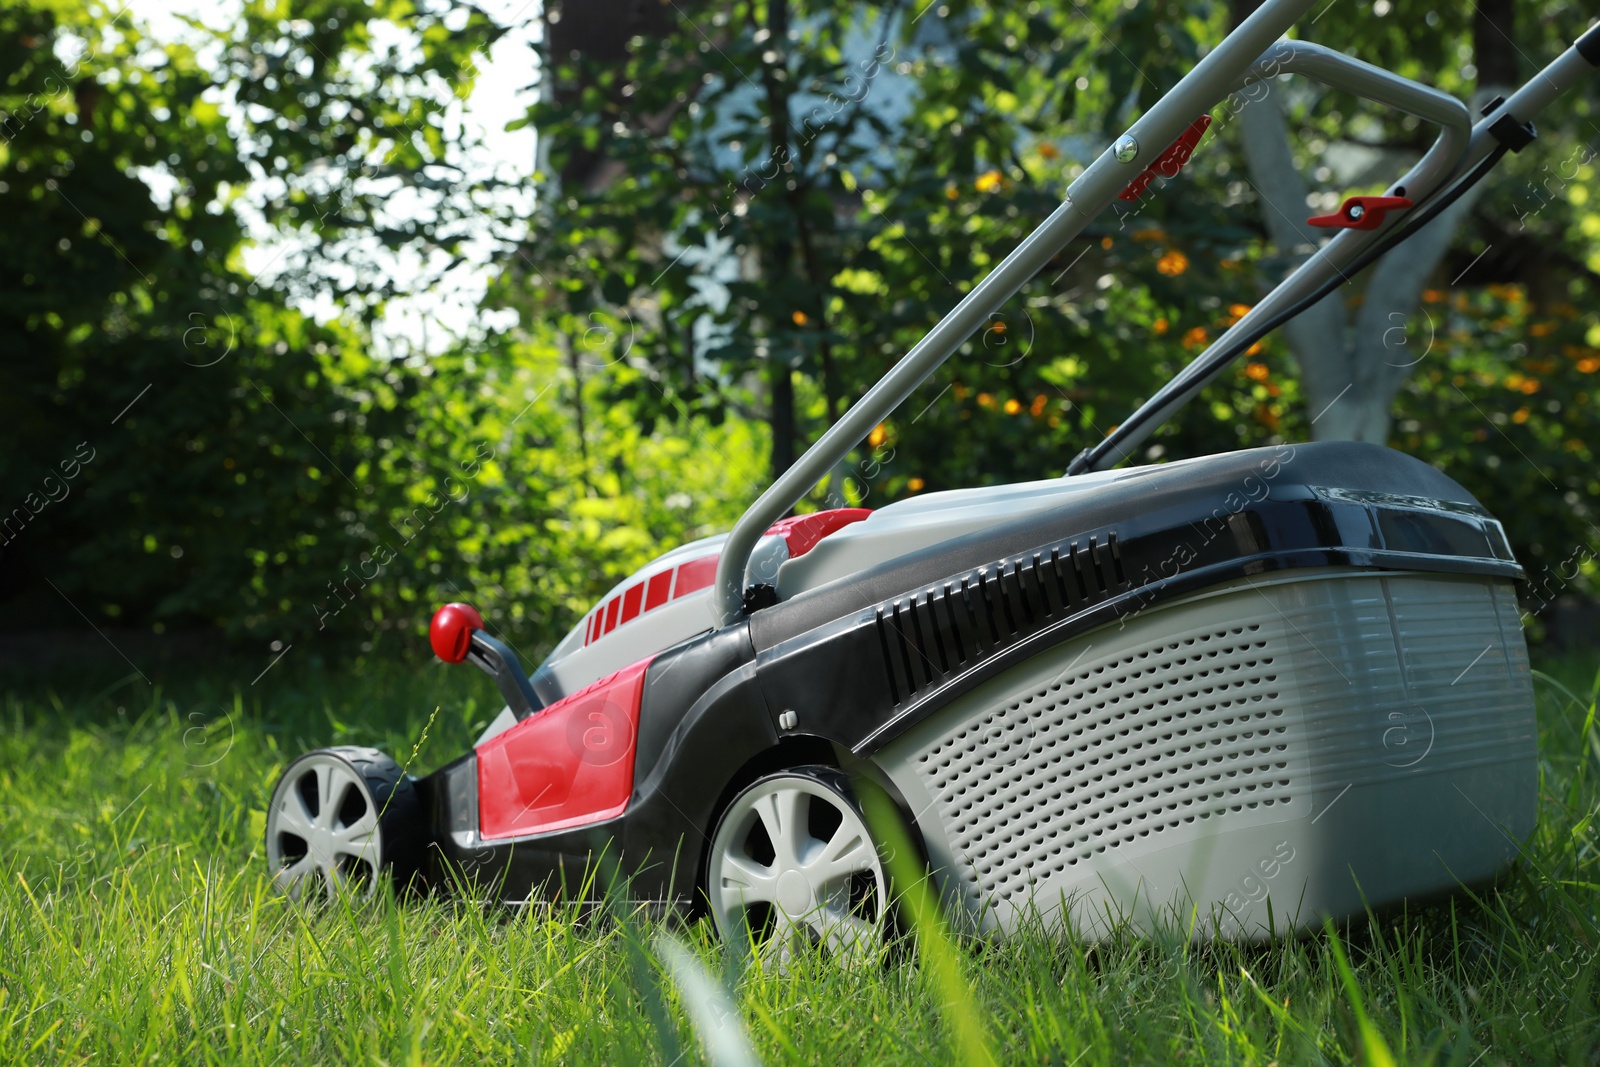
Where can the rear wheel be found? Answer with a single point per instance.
(793, 865)
(339, 818)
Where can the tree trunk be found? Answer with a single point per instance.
(777, 268)
(1317, 335)
(782, 417)
(576, 366)
(1351, 370)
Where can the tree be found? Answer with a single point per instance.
(225, 448)
(999, 109)
(1349, 368)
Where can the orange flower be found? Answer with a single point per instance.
(1105, 242)
(1542, 329)
(989, 181)
(1588, 366)
(1037, 407)
(915, 485)
(1172, 263)
(1256, 372)
(1149, 233)
(1013, 406)
(952, 192)
(1530, 386)
(1433, 296)
(1238, 311)
(997, 326)
(799, 318)
(1049, 151)
(985, 400)
(1195, 337)
(879, 434)
(1520, 417)
(1253, 350)
(1161, 326)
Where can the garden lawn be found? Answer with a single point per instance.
(137, 925)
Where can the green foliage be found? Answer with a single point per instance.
(855, 234)
(137, 924)
(242, 465)
(1504, 397)
(234, 440)
(740, 225)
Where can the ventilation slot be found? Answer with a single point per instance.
(1172, 733)
(936, 631)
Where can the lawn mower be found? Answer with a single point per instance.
(1238, 695)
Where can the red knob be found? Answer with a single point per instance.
(450, 633)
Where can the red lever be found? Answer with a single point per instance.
(451, 631)
(1170, 162)
(1361, 213)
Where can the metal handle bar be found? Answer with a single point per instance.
(1197, 91)
(1577, 62)
(1381, 87)
(1419, 183)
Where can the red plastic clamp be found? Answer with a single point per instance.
(1361, 213)
(1170, 162)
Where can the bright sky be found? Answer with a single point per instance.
(500, 95)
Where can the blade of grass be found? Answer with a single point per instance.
(1373, 1047)
(936, 949)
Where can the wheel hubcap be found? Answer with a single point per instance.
(793, 864)
(322, 831)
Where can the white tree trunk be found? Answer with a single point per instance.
(1317, 336)
(1350, 370)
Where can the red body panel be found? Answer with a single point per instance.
(802, 532)
(565, 766)
(631, 600)
(695, 575)
(660, 589)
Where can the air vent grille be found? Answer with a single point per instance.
(1171, 733)
(945, 627)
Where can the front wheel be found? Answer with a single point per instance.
(339, 818)
(793, 864)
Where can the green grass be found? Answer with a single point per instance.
(136, 925)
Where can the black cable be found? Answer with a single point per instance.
(1086, 459)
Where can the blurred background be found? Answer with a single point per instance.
(315, 315)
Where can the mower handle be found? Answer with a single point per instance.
(1505, 124)
(1237, 58)
(1419, 184)
(1197, 92)
(1380, 86)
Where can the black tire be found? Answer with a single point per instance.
(344, 815)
